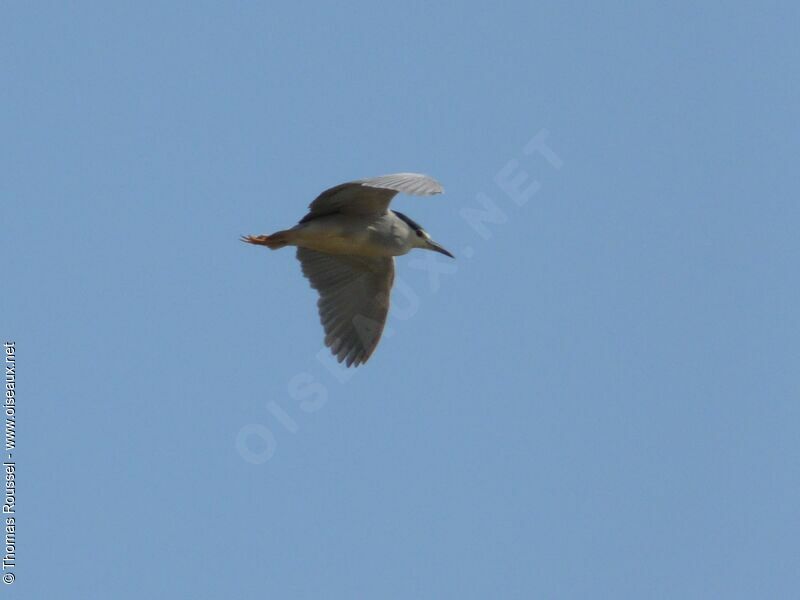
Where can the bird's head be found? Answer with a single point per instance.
(420, 237)
(424, 241)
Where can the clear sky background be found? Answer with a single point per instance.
(597, 399)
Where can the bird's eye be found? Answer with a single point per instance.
(419, 233)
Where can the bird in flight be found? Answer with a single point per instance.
(346, 246)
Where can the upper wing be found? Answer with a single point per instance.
(370, 196)
(353, 300)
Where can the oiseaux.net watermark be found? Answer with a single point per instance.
(256, 443)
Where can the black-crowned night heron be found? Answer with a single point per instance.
(345, 245)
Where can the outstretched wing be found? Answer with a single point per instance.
(353, 300)
(370, 196)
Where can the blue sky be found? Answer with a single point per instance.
(597, 399)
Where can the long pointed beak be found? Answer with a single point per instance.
(437, 248)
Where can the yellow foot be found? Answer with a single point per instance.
(260, 240)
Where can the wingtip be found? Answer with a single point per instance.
(416, 184)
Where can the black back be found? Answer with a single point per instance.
(409, 221)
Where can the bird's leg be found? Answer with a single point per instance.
(273, 242)
(260, 240)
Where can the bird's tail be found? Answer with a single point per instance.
(273, 242)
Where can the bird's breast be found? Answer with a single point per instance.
(341, 234)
